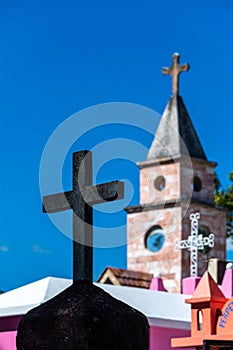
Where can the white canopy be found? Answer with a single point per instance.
(162, 309)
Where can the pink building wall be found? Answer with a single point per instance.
(8, 332)
(8, 340)
(160, 338)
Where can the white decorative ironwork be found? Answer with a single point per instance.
(194, 243)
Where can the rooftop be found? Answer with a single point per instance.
(121, 277)
(162, 309)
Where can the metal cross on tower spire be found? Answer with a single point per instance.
(175, 70)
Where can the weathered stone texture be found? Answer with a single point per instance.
(166, 260)
(83, 317)
(148, 175)
(205, 172)
(171, 263)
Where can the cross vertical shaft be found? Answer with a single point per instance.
(194, 248)
(82, 218)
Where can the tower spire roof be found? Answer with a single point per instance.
(175, 135)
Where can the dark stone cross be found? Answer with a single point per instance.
(175, 71)
(81, 200)
(83, 316)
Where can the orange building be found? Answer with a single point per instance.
(211, 318)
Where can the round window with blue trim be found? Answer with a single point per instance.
(154, 239)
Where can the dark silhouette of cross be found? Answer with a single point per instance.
(175, 71)
(81, 199)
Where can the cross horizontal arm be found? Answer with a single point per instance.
(104, 192)
(185, 67)
(165, 71)
(57, 202)
(91, 194)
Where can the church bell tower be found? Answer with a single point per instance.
(176, 180)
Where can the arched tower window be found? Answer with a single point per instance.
(196, 184)
(204, 231)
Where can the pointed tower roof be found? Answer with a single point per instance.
(207, 290)
(175, 135)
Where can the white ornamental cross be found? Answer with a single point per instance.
(194, 243)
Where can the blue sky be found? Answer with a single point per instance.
(60, 57)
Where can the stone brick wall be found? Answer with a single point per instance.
(168, 260)
(174, 218)
(203, 171)
(148, 175)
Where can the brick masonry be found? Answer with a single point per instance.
(174, 220)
